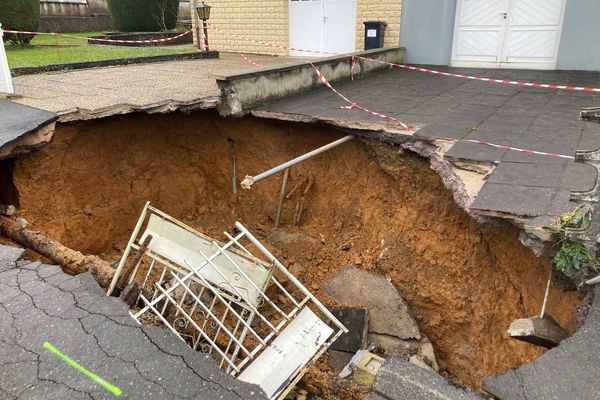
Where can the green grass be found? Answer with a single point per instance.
(40, 52)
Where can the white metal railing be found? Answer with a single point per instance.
(253, 316)
(6, 85)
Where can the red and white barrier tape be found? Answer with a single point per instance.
(354, 105)
(410, 131)
(483, 79)
(164, 40)
(470, 77)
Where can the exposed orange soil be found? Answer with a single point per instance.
(464, 281)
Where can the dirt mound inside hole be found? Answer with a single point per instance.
(386, 212)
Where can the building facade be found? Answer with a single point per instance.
(536, 34)
(322, 26)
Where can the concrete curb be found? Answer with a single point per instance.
(114, 62)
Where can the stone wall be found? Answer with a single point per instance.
(265, 20)
(388, 11)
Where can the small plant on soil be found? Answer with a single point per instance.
(571, 253)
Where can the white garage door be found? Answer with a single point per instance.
(507, 33)
(322, 26)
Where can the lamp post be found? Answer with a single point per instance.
(203, 13)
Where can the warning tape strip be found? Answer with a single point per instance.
(410, 131)
(483, 79)
(354, 105)
(351, 103)
(169, 39)
(431, 71)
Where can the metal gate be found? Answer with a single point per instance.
(233, 300)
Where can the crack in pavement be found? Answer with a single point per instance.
(68, 309)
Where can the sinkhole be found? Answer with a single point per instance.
(369, 204)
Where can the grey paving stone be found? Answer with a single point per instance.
(579, 177)
(398, 380)
(475, 152)
(442, 130)
(514, 199)
(569, 371)
(9, 256)
(525, 174)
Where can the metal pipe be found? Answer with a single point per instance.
(546, 295)
(593, 281)
(250, 180)
(281, 196)
(234, 166)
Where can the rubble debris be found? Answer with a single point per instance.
(388, 312)
(591, 114)
(356, 320)
(539, 331)
(8, 210)
(214, 297)
(366, 369)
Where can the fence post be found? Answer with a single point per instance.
(6, 85)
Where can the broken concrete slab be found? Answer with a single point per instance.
(539, 331)
(421, 350)
(23, 128)
(356, 320)
(568, 371)
(389, 313)
(399, 379)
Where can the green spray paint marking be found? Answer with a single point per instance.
(111, 388)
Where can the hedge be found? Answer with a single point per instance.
(21, 15)
(143, 15)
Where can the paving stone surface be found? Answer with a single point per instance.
(569, 371)
(398, 380)
(39, 303)
(535, 118)
(140, 85)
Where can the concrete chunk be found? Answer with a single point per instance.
(388, 312)
(539, 331)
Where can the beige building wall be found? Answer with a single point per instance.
(265, 20)
(379, 10)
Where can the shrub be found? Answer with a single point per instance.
(23, 15)
(143, 15)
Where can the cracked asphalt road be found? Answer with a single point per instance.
(40, 303)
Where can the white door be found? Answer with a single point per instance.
(340, 26)
(507, 33)
(324, 27)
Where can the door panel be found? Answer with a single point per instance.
(480, 29)
(534, 31)
(507, 33)
(306, 26)
(340, 26)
